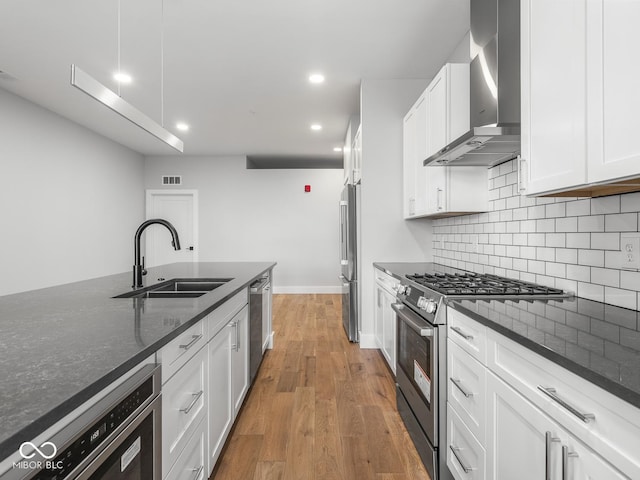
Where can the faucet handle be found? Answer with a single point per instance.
(144, 270)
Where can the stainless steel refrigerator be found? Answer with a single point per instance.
(348, 261)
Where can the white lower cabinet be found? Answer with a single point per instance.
(206, 389)
(184, 407)
(385, 317)
(192, 464)
(220, 406)
(240, 359)
(500, 426)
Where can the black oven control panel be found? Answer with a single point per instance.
(424, 303)
(92, 437)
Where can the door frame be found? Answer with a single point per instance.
(150, 193)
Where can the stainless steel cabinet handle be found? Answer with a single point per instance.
(234, 346)
(466, 336)
(551, 393)
(521, 186)
(439, 198)
(198, 472)
(566, 454)
(196, 397)
(549, 439)
(194, 339)
(456, 453)
(457, 383)
(237, 337)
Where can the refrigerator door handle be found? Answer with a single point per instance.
(345, 282)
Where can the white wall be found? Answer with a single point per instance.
(263, 215)
(385, 235)
(70, 199)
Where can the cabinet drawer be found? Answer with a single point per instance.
(184, 406)
(466, 388)
(191, 464)
(612, 426)
(466, 458)
(469, 334)
(222, 315)
(386, 281)
(178, 352)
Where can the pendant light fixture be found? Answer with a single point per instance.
(92, 87)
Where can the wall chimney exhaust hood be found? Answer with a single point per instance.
(494, 137)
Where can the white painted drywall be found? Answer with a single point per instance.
(70, 199)
(263, 215)
(385, 235)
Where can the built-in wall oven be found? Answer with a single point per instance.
(118, 438)
(421, 349)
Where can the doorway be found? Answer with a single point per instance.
(180, 207)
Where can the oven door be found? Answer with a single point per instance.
(417, 368)
(134, 454)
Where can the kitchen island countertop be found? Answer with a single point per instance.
(62, 345)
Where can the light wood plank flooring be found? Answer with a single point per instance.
(321, 408)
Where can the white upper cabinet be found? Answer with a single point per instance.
(579, 92)
(438, 117)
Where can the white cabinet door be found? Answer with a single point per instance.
(582, 463)
(220, 406)
(437, 138)
(240, 358)
(522, 442)
(613, 95)
(414, 153)
(389, 330)
(553, 76)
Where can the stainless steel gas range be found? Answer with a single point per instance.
(421, 348)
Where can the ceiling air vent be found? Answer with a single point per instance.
(172, 180)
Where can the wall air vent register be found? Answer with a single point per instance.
(172, 180)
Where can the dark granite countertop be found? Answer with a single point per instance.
(597, 341)
(62, 345)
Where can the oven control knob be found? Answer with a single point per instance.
(401, 289)
(430, 305)
(422, 303)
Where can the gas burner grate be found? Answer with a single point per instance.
(480, 284)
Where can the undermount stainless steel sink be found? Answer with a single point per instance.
(177, 288)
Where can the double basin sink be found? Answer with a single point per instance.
(177, 288)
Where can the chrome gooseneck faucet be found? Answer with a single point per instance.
(138, 267)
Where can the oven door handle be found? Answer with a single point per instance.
(404, 316)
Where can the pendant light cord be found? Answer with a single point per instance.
(119, 34)
(162, 63)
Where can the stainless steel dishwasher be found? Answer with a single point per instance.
(258, 300)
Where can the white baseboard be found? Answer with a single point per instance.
(309, 289)
(368, 340)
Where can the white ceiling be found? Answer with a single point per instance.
(234, 70)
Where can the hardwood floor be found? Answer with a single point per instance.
(321, 408)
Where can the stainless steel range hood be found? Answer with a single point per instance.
(494, 137)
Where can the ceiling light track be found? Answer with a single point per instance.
(89, 85)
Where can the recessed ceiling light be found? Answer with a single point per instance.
(337, 149)
(183, 127)
(316, 127)
(316, 78)
(122, 77)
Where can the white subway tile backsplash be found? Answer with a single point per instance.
(605, 241)
(546, 225)
(578, 240)
(605, 205)
(593, 258)
(592, 223)
(630, 280)
(567, 224)
(567, 255)
(556, 240)
(572, 243)
(623, 298)
(604, 276)
(579, 208)
(630, 202)
(555, 210)
(624, 222)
